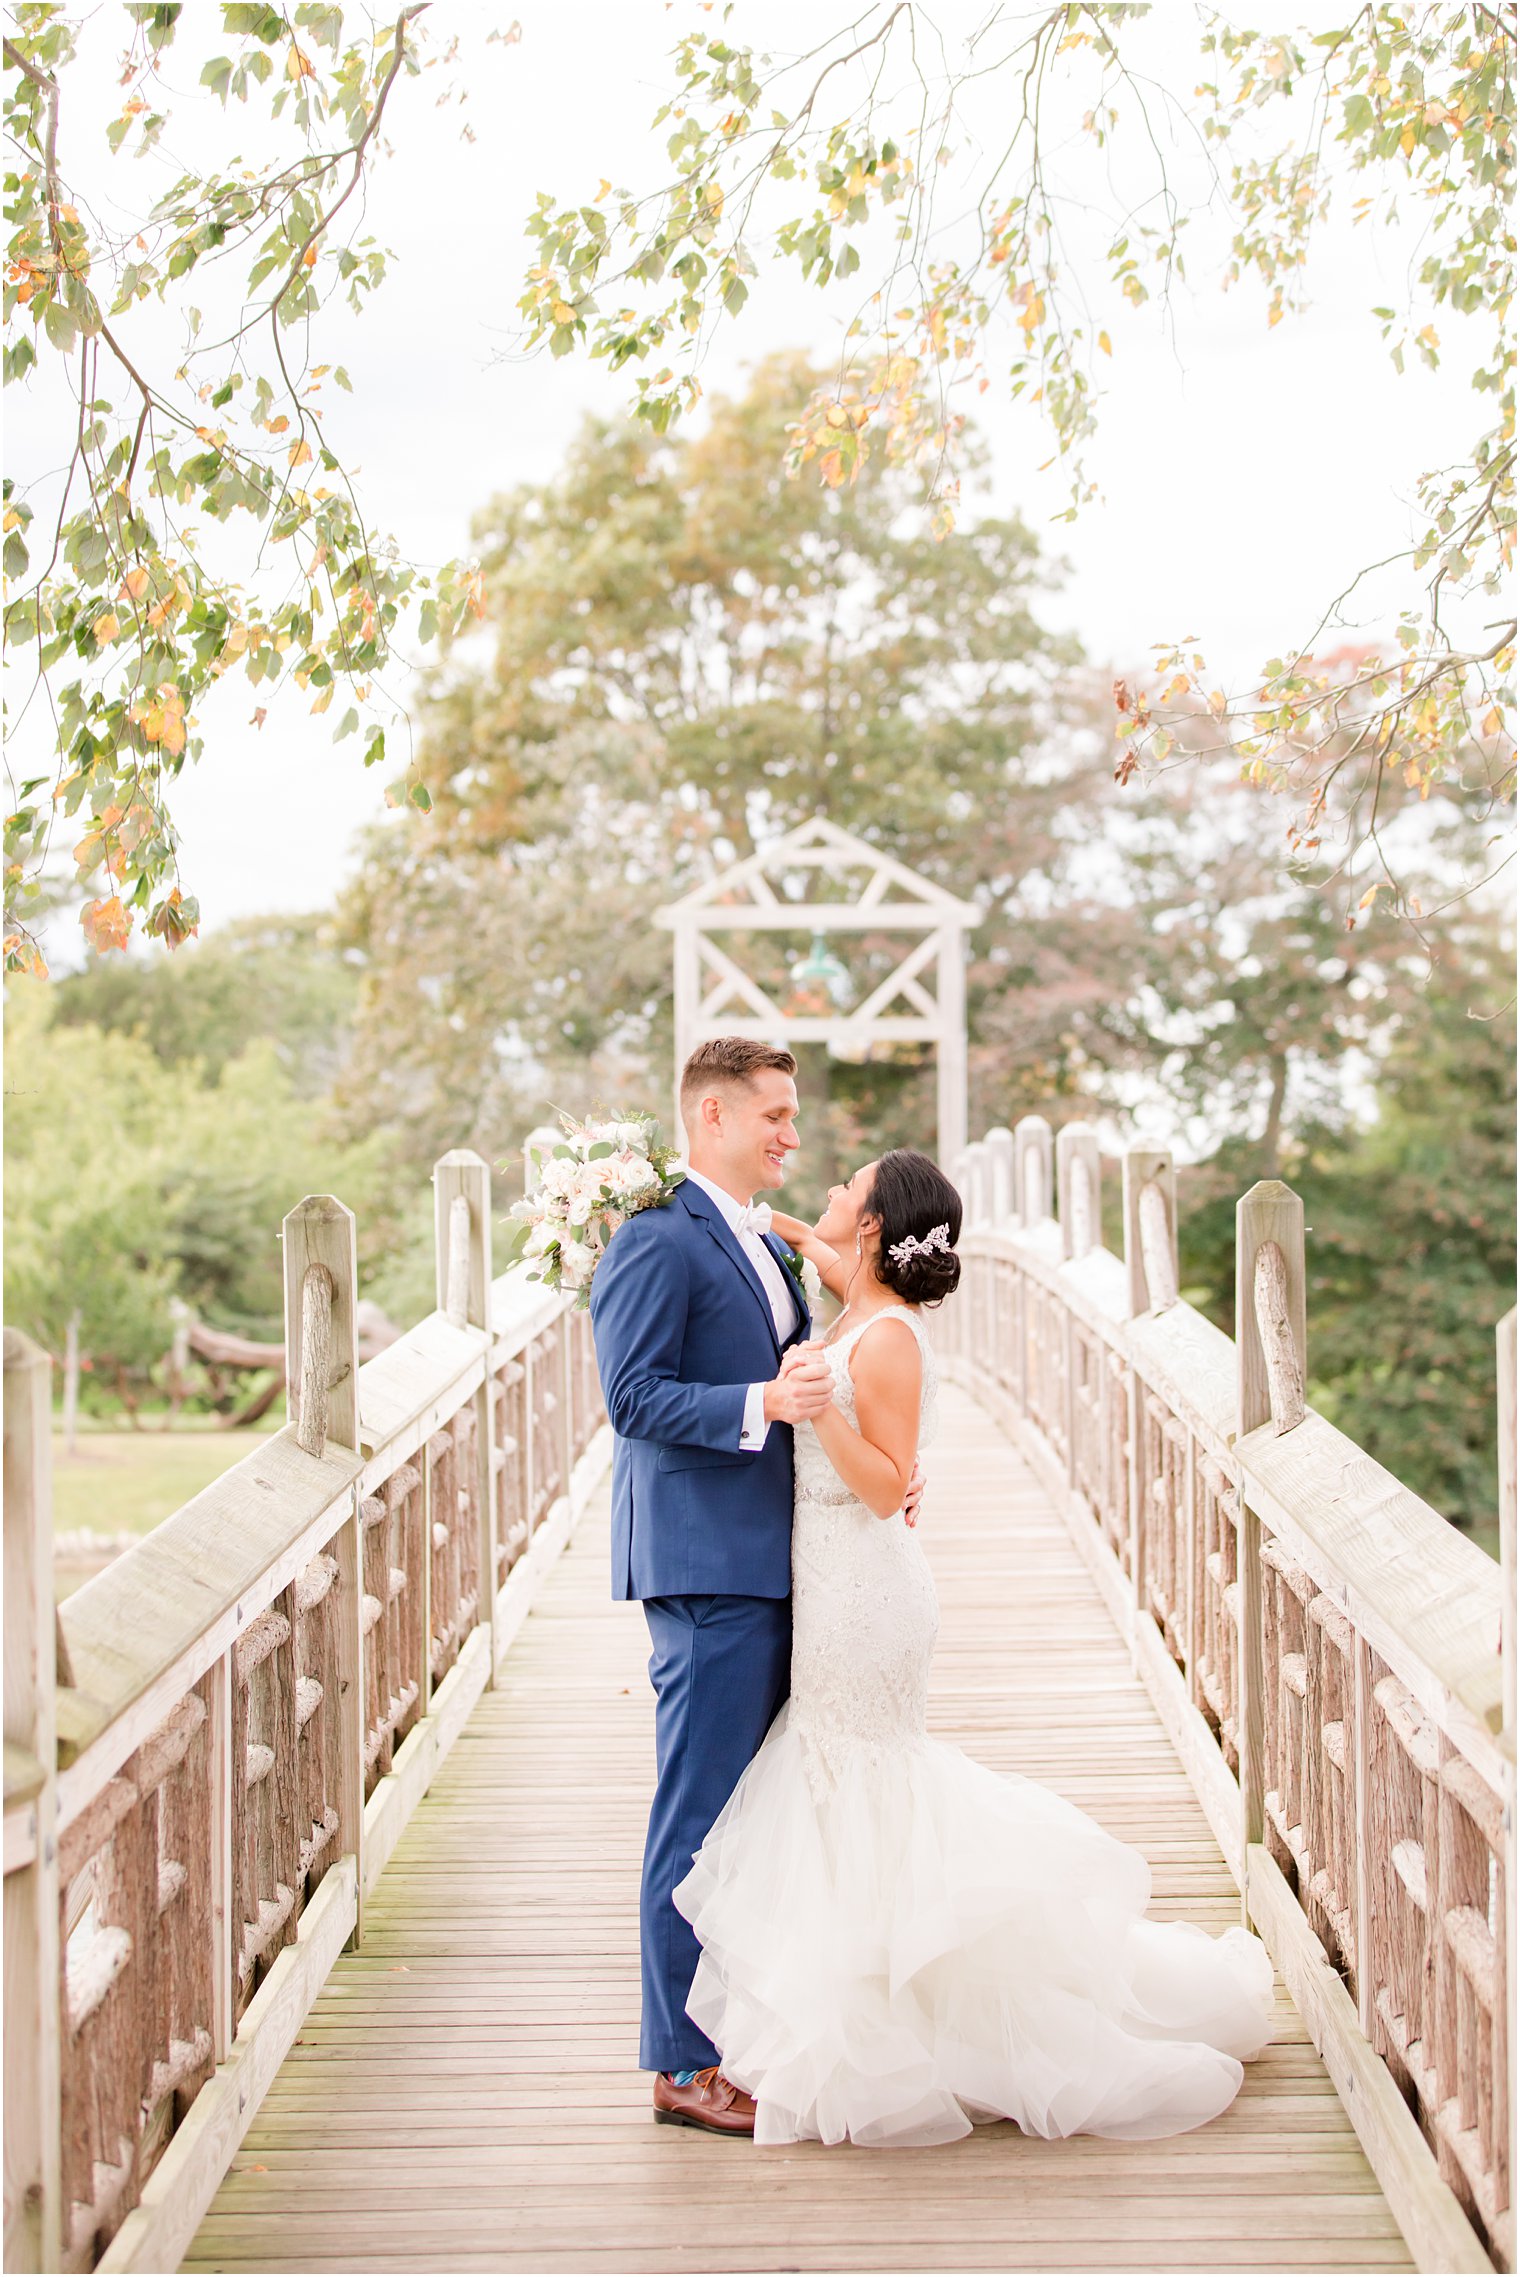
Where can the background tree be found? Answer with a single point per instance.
(1085, 175)
(132, 1179)
(1411, 1232)
(282, 980)
(690, 653)
(119, 611)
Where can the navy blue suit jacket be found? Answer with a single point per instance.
(683, 1327)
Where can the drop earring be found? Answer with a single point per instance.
(857, 1245)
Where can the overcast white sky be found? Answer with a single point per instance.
(1246, 472)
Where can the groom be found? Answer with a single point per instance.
(695, 1311)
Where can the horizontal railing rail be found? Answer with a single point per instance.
(1324, 1648)
(212, 1754)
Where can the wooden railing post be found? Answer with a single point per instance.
(1033, 1155)
(1271, 1359)
(33, 2122)
(978, 1184)
(1150, 1229)
(318, 1237)
(1001, 1203)
(1078, 1186)
(320, 1249)
(462, 1230)
(1271, 1338)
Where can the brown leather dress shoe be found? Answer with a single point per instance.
(710, 2102)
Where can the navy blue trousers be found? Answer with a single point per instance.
(720, 1668)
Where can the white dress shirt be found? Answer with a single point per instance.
(783, 1303)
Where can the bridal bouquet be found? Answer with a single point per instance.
(601, 1172)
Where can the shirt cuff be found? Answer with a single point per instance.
(754, 1429)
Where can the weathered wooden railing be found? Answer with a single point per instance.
(210, 1759)
(1324, 1648)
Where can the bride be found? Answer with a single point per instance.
(896, 1942)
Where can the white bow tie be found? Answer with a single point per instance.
(755, 1217)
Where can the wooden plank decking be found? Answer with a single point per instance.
(464, 2094)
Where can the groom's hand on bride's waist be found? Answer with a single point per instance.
(803, 1389)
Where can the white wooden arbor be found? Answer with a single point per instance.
(922, 1000)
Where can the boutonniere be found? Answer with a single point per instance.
(807, 1277)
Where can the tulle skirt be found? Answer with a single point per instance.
(909, 1943)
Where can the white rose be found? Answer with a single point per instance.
(557, 1176)
(812, 1281)
(630, 1134)
(577, 1263)
(635, 1175)
(539, 1239)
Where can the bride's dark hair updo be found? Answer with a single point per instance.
(911, 1195)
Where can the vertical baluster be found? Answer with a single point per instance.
(225, 1919)
(286, 1786)
(565, 1386)
(375, 1521)
(245, 1888)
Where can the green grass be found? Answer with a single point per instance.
(126, 1482)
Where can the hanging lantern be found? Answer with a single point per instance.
(820, 981)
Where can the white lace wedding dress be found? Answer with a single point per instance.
(898, 1942)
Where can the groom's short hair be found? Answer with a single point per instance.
(724, 1061)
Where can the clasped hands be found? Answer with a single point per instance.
(805, 1389)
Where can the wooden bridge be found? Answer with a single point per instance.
(323, 1805)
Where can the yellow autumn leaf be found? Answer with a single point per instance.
(135, 583)
(1370, 895)
(563, 312)
(106, 628)
(277, 426)
(12, 520)
(324, 699)
(1105, 343)
(299, 66)
(300, 453)
(1493, 722)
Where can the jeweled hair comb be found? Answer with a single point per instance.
(938, 1237)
